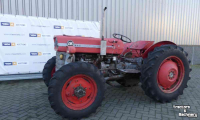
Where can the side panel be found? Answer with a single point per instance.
(156, 45)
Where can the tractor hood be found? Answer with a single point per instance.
(77, 44)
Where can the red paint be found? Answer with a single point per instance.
(164, 74)
(136, 48)
(68, 97)
(171, 65)
(151, 48)
(71, 49)
(116, 49)
(53, 71)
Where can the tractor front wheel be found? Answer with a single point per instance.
(165, 73)
(76, 90)
(49, 70)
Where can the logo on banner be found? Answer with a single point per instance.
(13, 44)
(7, 24)
(38, 35)
(8, 44)
(35, 53)
(10, 63)
(34, 35)
(58, 27)
(15, 63)
(40, 53)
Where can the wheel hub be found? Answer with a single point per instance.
(168, 74)
(171, 75)
(79, 91)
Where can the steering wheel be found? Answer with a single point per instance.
(122, 37)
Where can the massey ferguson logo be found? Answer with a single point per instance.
(58, 27)
(34, 35)
(70, 43)
(7, 24)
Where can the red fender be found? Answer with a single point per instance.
(151, 48)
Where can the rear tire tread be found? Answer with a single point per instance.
(147, 67)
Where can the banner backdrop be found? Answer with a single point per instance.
(27, 42)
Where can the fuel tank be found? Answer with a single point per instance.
(77, 44)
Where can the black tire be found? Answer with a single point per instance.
(49, 66)
(63, 75)
(150, 68)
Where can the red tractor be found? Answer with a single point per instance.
(76, 76)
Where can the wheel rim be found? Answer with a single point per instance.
(170, 74)
(79, 92)
(53, 71)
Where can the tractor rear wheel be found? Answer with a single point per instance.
(49, 70)
(76, 90)
(165, 73)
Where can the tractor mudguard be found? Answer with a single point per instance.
(135, 47)
(151, 48)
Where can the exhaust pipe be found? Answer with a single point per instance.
(103, 42)
(103, 23)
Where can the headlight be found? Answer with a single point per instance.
(61, 56)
